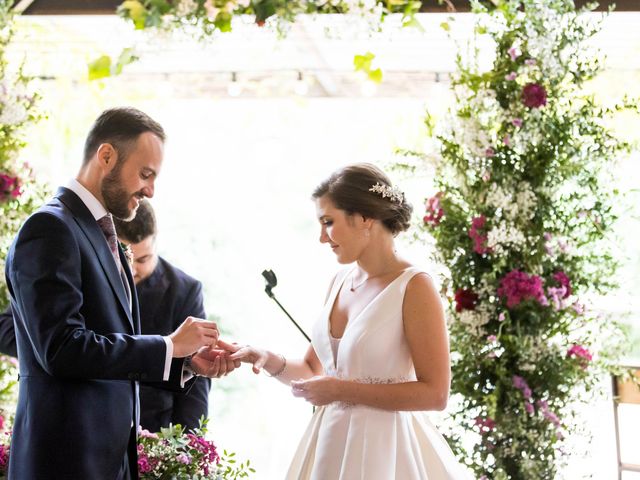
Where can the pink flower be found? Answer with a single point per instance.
(530, 62)
(465, 300)
(529, 408)
(478, 236)
(489, 152)
(486, 176)
(516, 122)
(514, 53)
(506, 140)
(563, 281)
(10, 187)
(184, 458)
(434, 210)
(4, 457)
(492, 338)
(501, 317)
(144, 433)
(510, 77)
(517, 286)
(581, 353)
(143, 464)
(578, 307)
(534, 95)
(1, 422)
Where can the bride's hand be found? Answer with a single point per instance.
(247, 354)
(319, 390)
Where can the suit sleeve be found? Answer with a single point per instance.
(188, 408)
(45, 275)
(7, 334)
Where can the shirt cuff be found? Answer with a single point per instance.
(187, 373)
(167, 358)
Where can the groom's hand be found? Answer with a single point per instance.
(193, 334)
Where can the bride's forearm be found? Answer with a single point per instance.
(287, 369)
(399, 396)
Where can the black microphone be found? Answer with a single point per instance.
(272, 281)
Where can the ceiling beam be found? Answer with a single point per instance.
(106, 7)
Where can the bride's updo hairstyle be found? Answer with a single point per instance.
(364, 189)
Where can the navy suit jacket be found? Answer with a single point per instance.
(166, 298)
(80, 349)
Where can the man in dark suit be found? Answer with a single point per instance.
(166, 296)
(76, 316)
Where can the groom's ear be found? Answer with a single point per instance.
(107, 156)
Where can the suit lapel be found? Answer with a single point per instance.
(90, 228)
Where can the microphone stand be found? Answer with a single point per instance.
(272, 281)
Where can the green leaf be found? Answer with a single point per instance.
(445, 26)
(134, 10)
(100, 68)
(126, 57)
(375, 75)
(363, 62)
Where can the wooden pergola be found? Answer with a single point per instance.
(105, 7)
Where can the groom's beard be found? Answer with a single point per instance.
(116, 197)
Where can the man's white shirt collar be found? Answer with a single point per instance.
(95, 207)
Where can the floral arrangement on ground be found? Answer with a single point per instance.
(522, 220)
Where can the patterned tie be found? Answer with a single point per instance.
(108, 228)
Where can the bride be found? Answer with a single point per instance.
(379, 356)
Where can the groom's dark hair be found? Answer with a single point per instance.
(141, 227)
(121, 128)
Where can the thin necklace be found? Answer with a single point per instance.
(354, 287)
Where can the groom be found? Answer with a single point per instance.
(76, 316)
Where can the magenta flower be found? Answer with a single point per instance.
(581, 353)
(4, 457)
(477, 234)
(465, 300)
(486, 424)
(517, 286)
(10, 187)
(434, 210)
(143, 464)
(563, 281)
(534, 95)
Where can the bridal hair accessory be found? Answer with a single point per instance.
(392, 193)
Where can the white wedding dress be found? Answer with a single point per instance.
(355, 442)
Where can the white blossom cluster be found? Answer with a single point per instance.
(186, 7)
(505, 235)
(12, 109)
(475, 319)
(513, 203)
(542, 38)
(474, 132)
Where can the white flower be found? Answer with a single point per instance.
(515, 203)
(505, 236)
(12, 114)
(186, 7)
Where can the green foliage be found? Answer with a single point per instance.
(362, 63)
(211, 16)
(523, 221)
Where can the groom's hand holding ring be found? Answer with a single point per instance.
(193, 334)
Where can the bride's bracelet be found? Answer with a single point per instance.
(282, 369)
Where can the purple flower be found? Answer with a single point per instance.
(578, 307)
(529, 408)
(516, 122)
(534, 95)
(510, 77)
(184, 458)
(530, 62)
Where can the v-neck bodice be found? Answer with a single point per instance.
(373, 346)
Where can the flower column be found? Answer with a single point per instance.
(520, 220)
